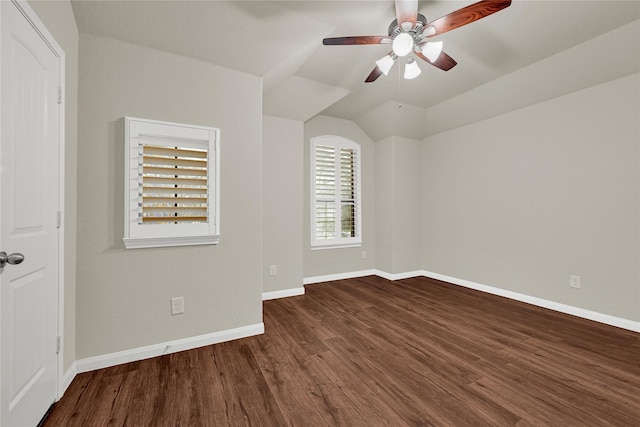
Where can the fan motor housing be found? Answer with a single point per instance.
(395, 29)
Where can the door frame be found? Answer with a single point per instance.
(57, 50)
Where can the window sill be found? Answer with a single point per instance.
(162, 242)
(346, 245)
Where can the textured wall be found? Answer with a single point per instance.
(398, 206)
(124, 295)
(525, 199)
(282, 149)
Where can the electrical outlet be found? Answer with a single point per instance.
(364, 254)
(273, 270)
(177, 305)
(574, 282)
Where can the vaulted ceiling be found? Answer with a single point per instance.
(282, 42)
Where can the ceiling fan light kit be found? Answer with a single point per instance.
(432, 50)
(403, 44)
(408, 35)
(411, 69)
(385, 64)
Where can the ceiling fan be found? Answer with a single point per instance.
(409, 32)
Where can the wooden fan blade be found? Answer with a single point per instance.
(465, 16)
(444, 61)
(407, 11)
(356, 40)
(374, 75)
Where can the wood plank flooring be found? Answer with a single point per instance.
(370, 352)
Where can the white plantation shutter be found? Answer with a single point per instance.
(335, 182)
(172, 184)
(325, 192)
(348, 203)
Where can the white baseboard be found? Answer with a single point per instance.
(399, 276)
(552, 305)
(338, 276)
(67, 379)
(362, 273)
(284, 293)
(141, 353)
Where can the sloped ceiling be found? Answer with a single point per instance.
(282, 42)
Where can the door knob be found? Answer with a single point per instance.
(12, 259)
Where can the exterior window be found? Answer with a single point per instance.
(171, 184)
(335, 192)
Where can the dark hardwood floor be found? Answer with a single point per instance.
(370, 352)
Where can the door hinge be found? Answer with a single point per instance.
(58, 343)
(59, 94)
(58, 219)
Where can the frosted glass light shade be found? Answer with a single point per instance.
(403, 44)
(432, 50)
(411, 70)
(385, 64)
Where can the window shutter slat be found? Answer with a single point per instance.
(174, 162)
(176, 191)
(171, 152)
(188, 210)
(325, 192)
(174, 180)
(158, 171)
(169, 219)
(183, 201)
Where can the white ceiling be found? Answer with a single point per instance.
(282, 41)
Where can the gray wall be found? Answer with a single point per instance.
(398, 205)
(124, 295)
(523, 200)
(406, 205)
(384, 205)
(282, 150)
(58, 17)
(332, 261)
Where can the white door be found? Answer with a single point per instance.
(29, 197)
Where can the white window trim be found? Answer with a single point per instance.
(161, 235)
(338, 242)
